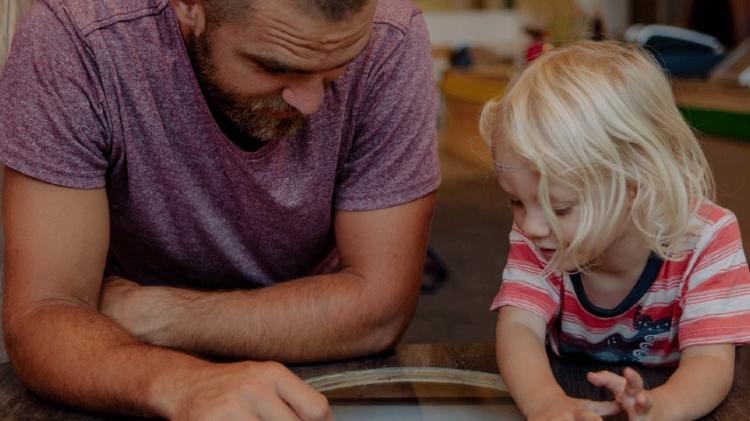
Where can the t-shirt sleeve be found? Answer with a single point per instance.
(52, 124)
(393, 158)
(716, 297)
(523, 285)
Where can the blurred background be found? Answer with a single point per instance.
(478, 45)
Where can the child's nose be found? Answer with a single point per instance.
(535, 224)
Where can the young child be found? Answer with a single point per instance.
(617, 252)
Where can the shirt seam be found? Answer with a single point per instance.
(392, 194)
(110, 20)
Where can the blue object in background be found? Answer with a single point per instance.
(681, 52)
(461, 57)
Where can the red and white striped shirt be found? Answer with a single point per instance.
(701, 299)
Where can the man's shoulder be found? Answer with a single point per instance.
(396, 13)
(88, 16)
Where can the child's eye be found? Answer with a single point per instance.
(563, 211)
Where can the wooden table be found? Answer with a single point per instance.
(16, 403)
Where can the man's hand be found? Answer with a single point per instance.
(635, 400)
(144, 311)
(571, 409)
(115, 291)
(243, 391)
(247, 390)
(118, 301)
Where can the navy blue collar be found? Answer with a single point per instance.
(648, 276)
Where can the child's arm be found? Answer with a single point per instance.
(700, 383)
(525, 369)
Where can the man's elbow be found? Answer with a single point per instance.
(388, 330)
(14, 333)
(18, 334)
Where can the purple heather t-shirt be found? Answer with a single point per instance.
(102, 94)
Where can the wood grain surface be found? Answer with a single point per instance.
(16, 403)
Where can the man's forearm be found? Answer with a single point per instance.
(362, 309)
(320, 317)
(78, 356)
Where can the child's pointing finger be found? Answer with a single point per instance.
(615, 383)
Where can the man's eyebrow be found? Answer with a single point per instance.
(274, 64)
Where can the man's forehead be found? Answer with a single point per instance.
(271, 62)
(297, 41)
(334, 10)
(309, 20)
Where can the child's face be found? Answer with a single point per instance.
(521, 184)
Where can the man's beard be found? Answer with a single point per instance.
(246, 115)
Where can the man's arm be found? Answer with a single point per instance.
(364, 308)
(62, 348)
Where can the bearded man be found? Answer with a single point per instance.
(249, 179)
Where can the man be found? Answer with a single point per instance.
(193, 151)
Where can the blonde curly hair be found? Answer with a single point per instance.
(600, 118)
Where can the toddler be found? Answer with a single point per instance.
(617, 252)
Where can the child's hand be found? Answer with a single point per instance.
(637, 402)
(572, 409)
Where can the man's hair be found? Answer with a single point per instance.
(219, 11)
(600, 119)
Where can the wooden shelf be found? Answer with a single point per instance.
(706, 95)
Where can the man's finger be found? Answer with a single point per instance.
(308, 403)
(273, 409)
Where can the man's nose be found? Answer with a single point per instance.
(535, 224)
(305, 93)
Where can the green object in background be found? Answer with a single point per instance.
(718, 123)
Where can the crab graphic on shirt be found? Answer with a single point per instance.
(618, 348)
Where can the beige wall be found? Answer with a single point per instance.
(11, 12)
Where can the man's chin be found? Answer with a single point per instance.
(281, 129)
(282, 115)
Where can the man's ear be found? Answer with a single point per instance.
(191, 15)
